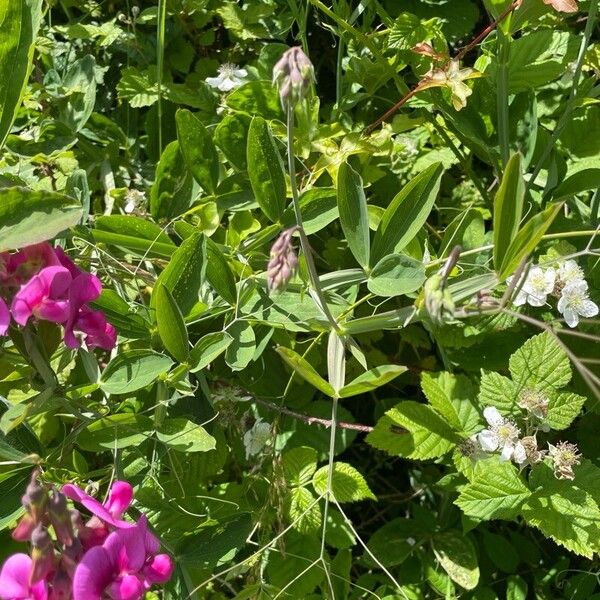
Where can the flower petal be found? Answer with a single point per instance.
(588, 309)
(14, 577)
(76, 494)
(119, 498)
(127, 547)
(4, 317)
(93, 574)
(127, 587)
(488, 440)
(159, 570)
(571, 317)
(519, 454)
(492, 416)
(507, 452)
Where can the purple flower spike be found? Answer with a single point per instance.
(14, 580)
(42, 296)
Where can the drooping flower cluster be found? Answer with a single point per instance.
(41, 282)
(566, 282)
(283, 261)
(104, 558)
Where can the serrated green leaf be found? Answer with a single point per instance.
(185, 436)
(413, 430)
(305, 370)
(496, 491)
(299, 465)
(265, 170)
(499, 391)
(352, 207)
(303, 510)
(171, 326)
(347, 484)
(564, 510)
(28, 217)
(198, 151)
(508, 209)
(456, 553)
(540, 364)
(371, 380)
(407, 213)
(452, 396)
(527, 240)
(208, 348)
(132, 370)
(563, 409)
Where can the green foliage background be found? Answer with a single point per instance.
(106, 109)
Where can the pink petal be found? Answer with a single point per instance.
(119, 498)
(66, 262)
(98, 333)
(56, 311)
(76, 494)
(126, 547)
(159, 570)
(127, 587)
(4, 317)
(39, 591)
(95, 572)
(84, 289)
(14, 577)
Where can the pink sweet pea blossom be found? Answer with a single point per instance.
(14, 580)
(84, 289)
(98, 332)
(43, 296)
(4, 317)
(123, 568)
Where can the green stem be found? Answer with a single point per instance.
(573, 97)
(38, 360)
(306, 249)
(334, 407)
(160, 49)
(502, 96)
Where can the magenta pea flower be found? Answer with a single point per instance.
(4, 317)
(14, 580)
(43, 296)
(84, 288)
(99, 333)
(123, 567)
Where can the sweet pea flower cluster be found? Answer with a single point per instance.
(42, 283)
(566, 282)
(101, 558)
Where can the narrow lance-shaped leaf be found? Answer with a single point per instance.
(527, 239)
(198, 150)
(19, 22)
(305, 370)
(219, 274)
(352, 206)
(508, 209)
(28, 217)
(371, 380)
(407, 213)
(171, 326)
(265, 170)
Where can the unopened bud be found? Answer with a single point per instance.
(60, 518)
(42, 554)
(283, 262)
(438, 300)
(22, 532)
(293, 74)
(35, 497)
(427, 50)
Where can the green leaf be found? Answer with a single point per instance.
(452, 397)
(496, 491)
(136, 245)
(565, 510)
(407, 213)
(499, 391)
(136, 227)
(208, 348)
(256, 98)
(396, 275)
(115, 432)
(219, 273)
(28, 217)
(508, 208)
(171, 192)
(305, 370)
(132, 370)
(352, 206)
(540, 364)
(8, 452)
(347, 484)
(265, 170)
(198, 150)
(303, 510)
(318, 207)
(516, 588)
(79, 85)
(467, 229)
(527, 240)
(299, 465)
(563, 409)
(241, 350)
(185, 436)
(456, 553)
(185, 273)
(171, 326)
(371, 380)
(231, 135)
(413, 430)
(19, 22)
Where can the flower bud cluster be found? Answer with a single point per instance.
(293, 74)
(283, 261)
(96, 558)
